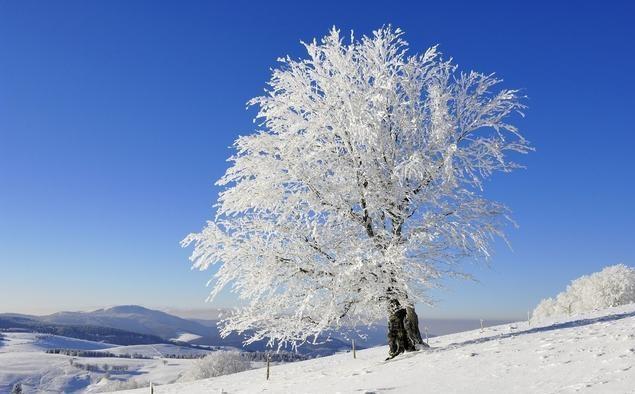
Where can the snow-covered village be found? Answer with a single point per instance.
(334, 197)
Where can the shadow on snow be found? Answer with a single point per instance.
(556, 326)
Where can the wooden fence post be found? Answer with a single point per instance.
(268, 362)
(354, 355)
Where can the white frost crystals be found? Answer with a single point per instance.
(613, 286)
(361, 188)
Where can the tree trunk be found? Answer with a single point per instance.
(403, 330)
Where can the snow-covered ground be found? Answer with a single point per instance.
(23, 359)
(590, 353)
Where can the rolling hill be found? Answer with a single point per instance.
(91, 332)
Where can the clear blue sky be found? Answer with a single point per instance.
(116, 117)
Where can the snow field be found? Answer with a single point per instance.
(23, 359)
(589, 353)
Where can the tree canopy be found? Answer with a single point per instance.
(361, 187)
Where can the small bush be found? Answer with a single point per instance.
(216, 364)
(119, 385)
(613, 286)
(17, 389)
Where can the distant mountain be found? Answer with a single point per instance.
(137, 319)
(152, 322)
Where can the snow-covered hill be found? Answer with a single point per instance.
(593, 353)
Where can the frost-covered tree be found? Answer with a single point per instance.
(359, 190)
(613, 286)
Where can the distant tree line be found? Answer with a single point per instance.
(184, 356)
(93, 353)
(248, 356)
(274, 357)
(96, 368)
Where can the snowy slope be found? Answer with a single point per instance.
(52, 373)
(592, 353)
(23, 359)
(33, 342)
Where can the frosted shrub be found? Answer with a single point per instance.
(216, 364)
(120, 385)
(613, 286)
(545, 308)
